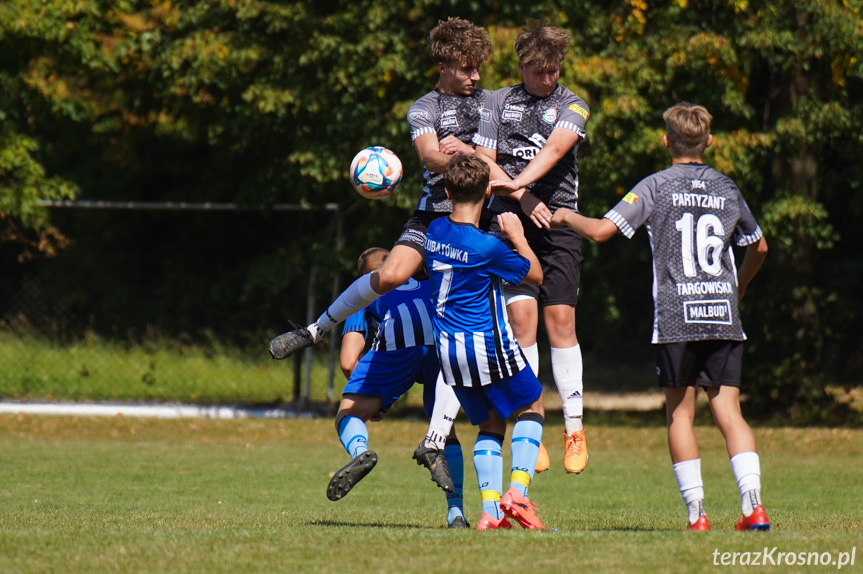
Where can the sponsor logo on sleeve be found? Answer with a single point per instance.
(630, 198)
(579, 110)
(417, 115)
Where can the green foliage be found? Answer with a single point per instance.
(261, 102)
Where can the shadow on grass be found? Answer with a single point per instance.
(654, 418)
(335, 523)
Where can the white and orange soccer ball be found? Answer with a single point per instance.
(376, 172)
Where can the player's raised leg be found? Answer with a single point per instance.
(567, 369)
(399, 266)
(524, 316)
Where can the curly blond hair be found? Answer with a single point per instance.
(457, 41)
(541, 46)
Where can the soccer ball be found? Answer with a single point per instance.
(375, 172)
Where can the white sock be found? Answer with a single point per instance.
(746, 467)
(688, 475)
(446, 408)
(355, 298)
(567, 369)
(532, 355)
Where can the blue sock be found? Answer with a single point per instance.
(526, 436)
(455, 461)
(488, 463)
(354, 435)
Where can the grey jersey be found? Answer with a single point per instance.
(517, 125)
(692, 213)
(444, 115)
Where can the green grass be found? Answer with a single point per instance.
(158, 370)
(144, 495)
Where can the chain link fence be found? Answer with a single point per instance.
(76, 327)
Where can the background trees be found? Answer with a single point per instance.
(261, 103)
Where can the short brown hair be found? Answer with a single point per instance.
(458, 41)
(371, 259)
(541, 46)
(466, 178)
(688, 129)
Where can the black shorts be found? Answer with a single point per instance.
(414, 234)
(559, 254)
(715, 363)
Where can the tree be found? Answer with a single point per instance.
(262, 102)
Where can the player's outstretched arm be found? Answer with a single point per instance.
(559, 143)
(501, 184)
(510, 226)
(752, 260)
(599, 230)
(489, 156)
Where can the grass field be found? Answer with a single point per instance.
(155, 370)
(145, 495)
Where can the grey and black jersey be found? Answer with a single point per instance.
(517, 125)
(444, 115)
(692, 214)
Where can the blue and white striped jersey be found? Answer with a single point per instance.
(360, 322)
(466, 267)
(403, 317)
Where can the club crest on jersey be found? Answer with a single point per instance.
(698, 184)
(549, 116)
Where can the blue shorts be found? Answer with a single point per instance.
(389, 374)
(506, 396)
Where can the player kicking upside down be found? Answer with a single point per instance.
(442, 122)
(401, 354)
(693, 213)
(478, 354)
